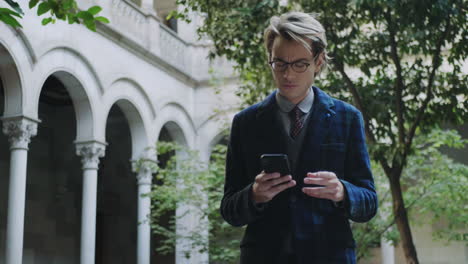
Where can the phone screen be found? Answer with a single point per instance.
(275, 163)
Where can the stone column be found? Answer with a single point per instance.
(190, 218)
(19, 131)
(144, 172)
(90, 152)
(387, 249)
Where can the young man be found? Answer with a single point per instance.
(302, 217)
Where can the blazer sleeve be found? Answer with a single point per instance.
(361, 198)
(237, 206)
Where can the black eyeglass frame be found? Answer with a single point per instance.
(287, 64)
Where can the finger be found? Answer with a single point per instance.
(322, 174)
(269, 176)
(264, 184)
(280, 180)
(262, 177)
(318, 192)
(334, 194)
(319, 181)
(281, 187)
(259, 176)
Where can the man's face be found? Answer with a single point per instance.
(292, 85)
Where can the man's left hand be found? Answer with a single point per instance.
(332, 188)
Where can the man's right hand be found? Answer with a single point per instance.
(268, 185)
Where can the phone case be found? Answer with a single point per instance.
(275, 163)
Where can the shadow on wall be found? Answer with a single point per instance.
(4, 177)
(157, 258)
(116, 223)
(53, 185)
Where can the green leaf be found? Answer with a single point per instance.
(85, 15)
(43, 8)
(46, 21)
(67, 5)
(15, 6)
(102, 19)
(9, 12)
(94, 10)
(33, 3)
(72, 18)
(9, 20)
(90, 25)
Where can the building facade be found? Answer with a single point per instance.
(78, 108)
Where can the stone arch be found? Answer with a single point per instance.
(81, 82)
(85, 128)
(178, 122)
(133, 114)
(63, 56)
(16, 63)
(135, 103)
(125, 84)
(174, 120)
(126, 138)
(11, 84)
(210, 133)
(218, 138)
(19, 43)
(176, 132)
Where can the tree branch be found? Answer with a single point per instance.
(356, 96)
(436, 62)
(386, 167)
(399, 85)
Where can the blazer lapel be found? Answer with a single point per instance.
(317, 129)
(270, 135)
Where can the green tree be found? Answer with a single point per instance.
(395, 50)
(185, 179)
(66, 10)
(435, 188)
(430, 179)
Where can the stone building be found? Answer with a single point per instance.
(79, 107)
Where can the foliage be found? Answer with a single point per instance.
(437, 186)
(369, 235)
(66, 10)
(236, 29)
(386, 58)
(186, 181)
(430, 180)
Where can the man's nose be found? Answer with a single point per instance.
(289, 74)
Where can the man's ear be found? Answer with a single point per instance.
(319, 62)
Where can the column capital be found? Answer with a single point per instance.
(19, 130)
(90, 152)
(144, 168)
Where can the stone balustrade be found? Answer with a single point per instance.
(140, 30)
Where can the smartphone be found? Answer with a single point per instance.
(275, 163)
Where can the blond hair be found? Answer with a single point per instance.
(298, 26)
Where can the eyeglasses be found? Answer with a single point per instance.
(281, 66)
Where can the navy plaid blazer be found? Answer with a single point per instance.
(320, 230)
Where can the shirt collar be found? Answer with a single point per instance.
(305, 105)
